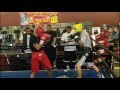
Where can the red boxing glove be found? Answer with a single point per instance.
(44, 38)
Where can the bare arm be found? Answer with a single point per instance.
(63, 39)
(37, 46)
(54, 41)
(80, 42)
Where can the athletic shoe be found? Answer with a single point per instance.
(100, 75)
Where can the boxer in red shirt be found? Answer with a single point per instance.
(38, 55)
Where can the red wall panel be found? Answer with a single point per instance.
(98, 18)
(10, 19)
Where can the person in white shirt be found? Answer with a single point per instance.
(83, 39)
(0, 38)
(69, 51)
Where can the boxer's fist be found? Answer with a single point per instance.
(44, 38)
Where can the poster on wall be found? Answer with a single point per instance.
(95, 30)
(35, 18)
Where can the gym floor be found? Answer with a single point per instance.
(43, 74)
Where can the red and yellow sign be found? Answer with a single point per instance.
(54, 19)
(28, 18)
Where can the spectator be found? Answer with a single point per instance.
(69, 51)
(25, 39)
(51, 46)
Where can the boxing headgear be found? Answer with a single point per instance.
(39, 31)
(78, 27)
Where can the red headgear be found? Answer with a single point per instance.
(39, 31)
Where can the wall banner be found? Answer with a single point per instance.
(35, 18)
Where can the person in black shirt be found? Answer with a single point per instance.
(38, 55)
(25, 40)
(51, 46)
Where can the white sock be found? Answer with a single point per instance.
(54, 66)
(67, 67)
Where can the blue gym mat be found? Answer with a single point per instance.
(42, 74)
